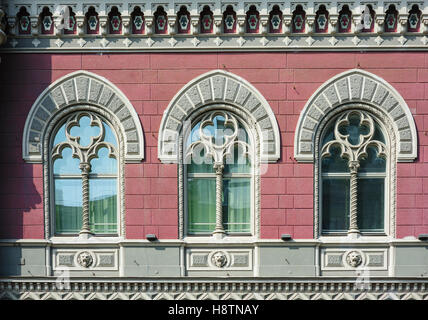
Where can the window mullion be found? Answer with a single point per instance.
(219, 229)
(353, 222)
(85, 167)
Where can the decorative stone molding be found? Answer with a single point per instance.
(391, 174)
(356, 86)
(223, 87)
(218, 289)
(241, 38)
(224, 259)
(351, 260)
(85, 259)
(82, 260)
(82, 88)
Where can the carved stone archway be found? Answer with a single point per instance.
(78, 89)
(357, 86)
(222, 87)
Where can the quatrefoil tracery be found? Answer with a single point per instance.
(359, 151)
(214, 149)
(84, 153)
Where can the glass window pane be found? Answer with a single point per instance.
(378, 135)
(237, 204)
(60, 136)
(104, 164)
(373, 163)
(238, 162)
(335, 204)
(201, 198)
(68, 205)
(67, 164)
(85, 131)
(371, 204)
(334, 163)
(103, 205)
(198, 162)
(109, 135)
(328, 134)
(354, 129)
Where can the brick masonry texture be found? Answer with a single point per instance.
(286, 80)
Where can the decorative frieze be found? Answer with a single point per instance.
(246, 289)
(215, 25)
(352, 260)
(210, 259)
(86, 259)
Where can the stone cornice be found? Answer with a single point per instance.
(215, 289)
(403, 38)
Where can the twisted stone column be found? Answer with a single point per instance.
(353, 224)
(86, 168)
(219, 230)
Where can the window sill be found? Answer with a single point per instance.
(352, 239)
(91, 240)
(225, 240)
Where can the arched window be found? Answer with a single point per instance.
(354, 153)
(218, 169)
(84, 169)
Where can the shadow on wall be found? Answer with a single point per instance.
(22, 80)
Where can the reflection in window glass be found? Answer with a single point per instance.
(102, 205)
(335, 204)
(68, 205)
(201, 202)
(370, 204)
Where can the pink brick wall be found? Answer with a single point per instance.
(286, 80)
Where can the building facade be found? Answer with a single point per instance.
(214, 150)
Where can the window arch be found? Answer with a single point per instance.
(356, 90)
(218, 166)
(353, 162)
(86, 93)
(219, 91)
(84, 155)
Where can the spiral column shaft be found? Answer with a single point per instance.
(353, 223)
(85, 168)
(219, 205)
